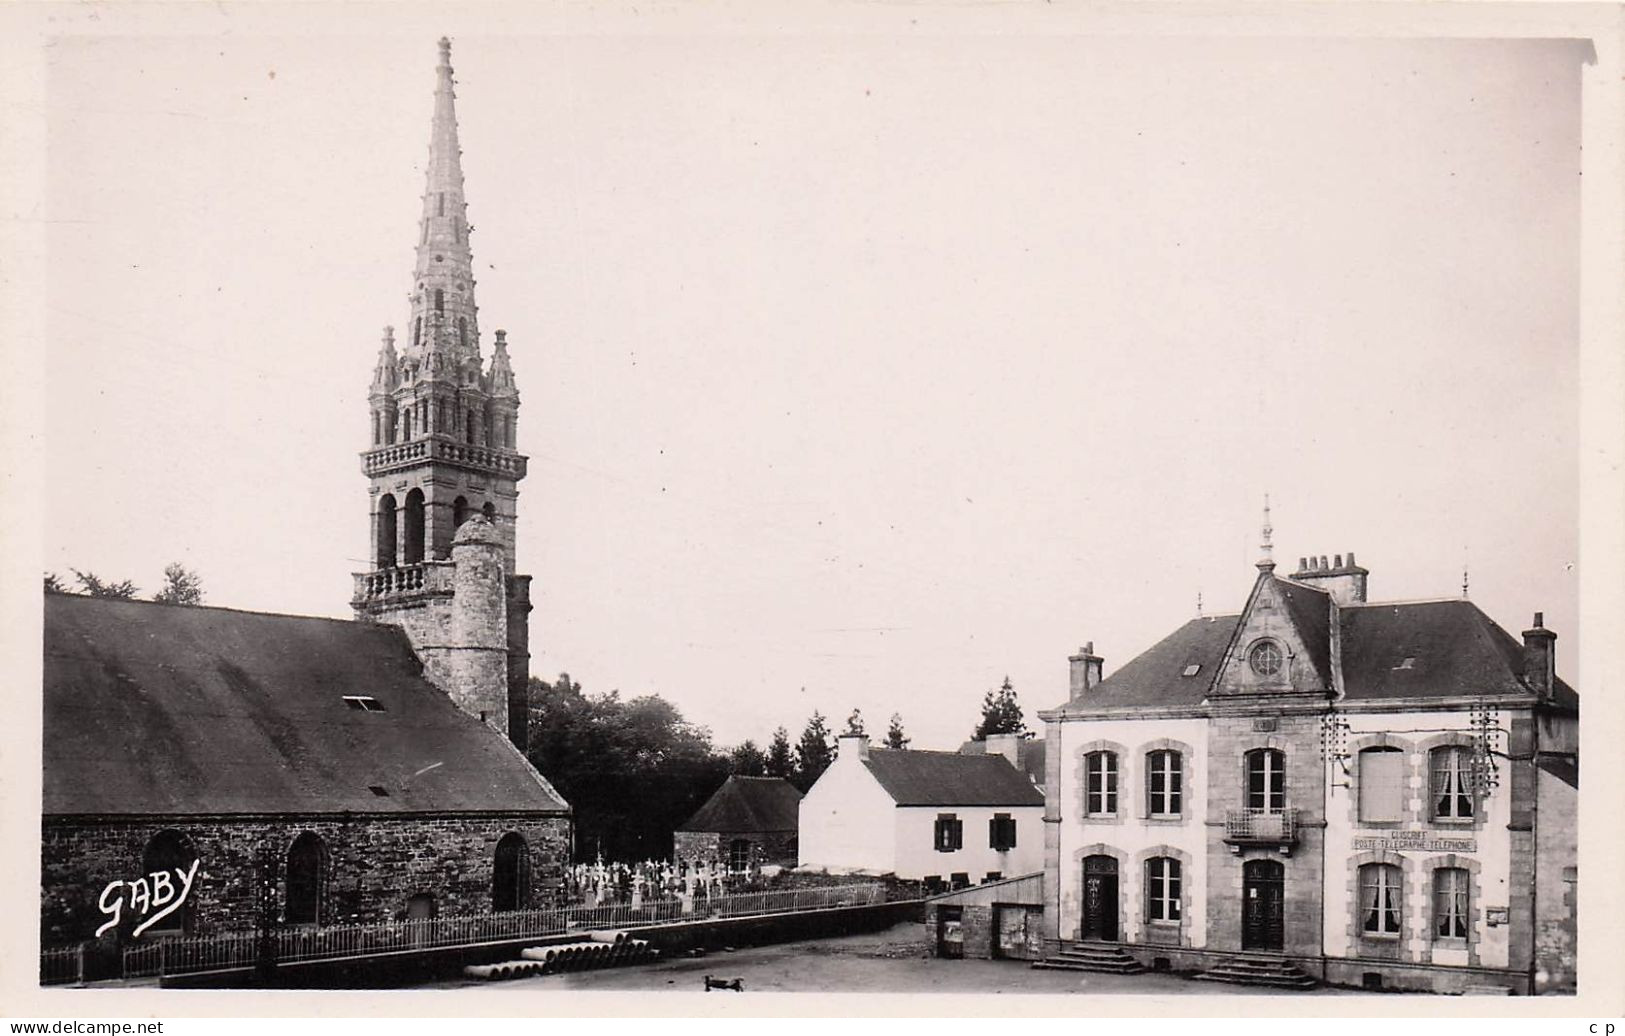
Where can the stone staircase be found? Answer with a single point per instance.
(1092, 956)
(1259, 970)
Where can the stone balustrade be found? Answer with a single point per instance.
(426, 577)
(406, 454)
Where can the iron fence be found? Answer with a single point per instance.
(188, 954)
(62, 965)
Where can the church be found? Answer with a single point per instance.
(210, 770)
(1320, 788)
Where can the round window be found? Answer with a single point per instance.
(1265, 659)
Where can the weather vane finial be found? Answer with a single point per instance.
(1267, 561)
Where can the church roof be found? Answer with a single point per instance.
(746, 804)
(950, 779)
(167, 709)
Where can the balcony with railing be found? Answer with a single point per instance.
(441, 448)
(1261, 827)
(426, 578)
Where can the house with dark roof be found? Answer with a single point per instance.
(204, 757)
(1320, 787)
(1025, 752)
(747, 822)
(948, 816)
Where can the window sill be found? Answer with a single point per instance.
(1453, 821)
(1165, 818)
(1101, 818)
(1381, 936)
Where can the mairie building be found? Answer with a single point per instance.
(1320, 788)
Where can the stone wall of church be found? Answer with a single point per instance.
(374, 865)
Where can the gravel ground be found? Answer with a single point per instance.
(895, 960)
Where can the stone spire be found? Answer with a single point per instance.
(443, 310)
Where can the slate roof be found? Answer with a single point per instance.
(1311, 612)
(950, 779)
(747, 804)
(1156, 675)
(1029, 752)
(167, 709)
(1456, 651)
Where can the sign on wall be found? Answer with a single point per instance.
(1415, 841)
(151, 897)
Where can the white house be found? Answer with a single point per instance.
(920, 815)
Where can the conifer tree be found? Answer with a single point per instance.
(1001, 714)
(895, 738)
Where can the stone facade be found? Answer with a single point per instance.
(374, 865)
(1275, 713)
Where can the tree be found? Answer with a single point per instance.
(181, 586)
(780, 761)
(1000, 714)
(895, 738)
(747, 760)
(854, 724)
(633, 769)
(54, 584)
(92, 585)
(814, 752)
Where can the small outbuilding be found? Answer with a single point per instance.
(749, 821)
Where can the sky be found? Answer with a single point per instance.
(858, 371)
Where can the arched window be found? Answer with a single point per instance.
(469, 422)
(414, 527)
(1100, 793)
(507, 435)
(1162, 889)
(406, 425)
(510, 875)
(459, 513)
(170, 853)
(386, 531)
(1380, 899)
(1450, 885)
(1382, 784)
(1452, 768)
(490, 512)
(417, 331)
(307, 877)
(1164, 783)
(739, 854)
(462, 332)
(439, 300)
(1266, 780)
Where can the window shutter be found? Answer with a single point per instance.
(1382, 785)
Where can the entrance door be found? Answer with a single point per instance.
(1100, 898)
(1262, 890)
(1010, 931)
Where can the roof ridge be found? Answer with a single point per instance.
(207, 607)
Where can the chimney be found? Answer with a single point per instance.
(1343, 579)
(1540, 657)
(1085, 671)
(856, 744)
(1007, 745)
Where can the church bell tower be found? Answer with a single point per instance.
(443, 467)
